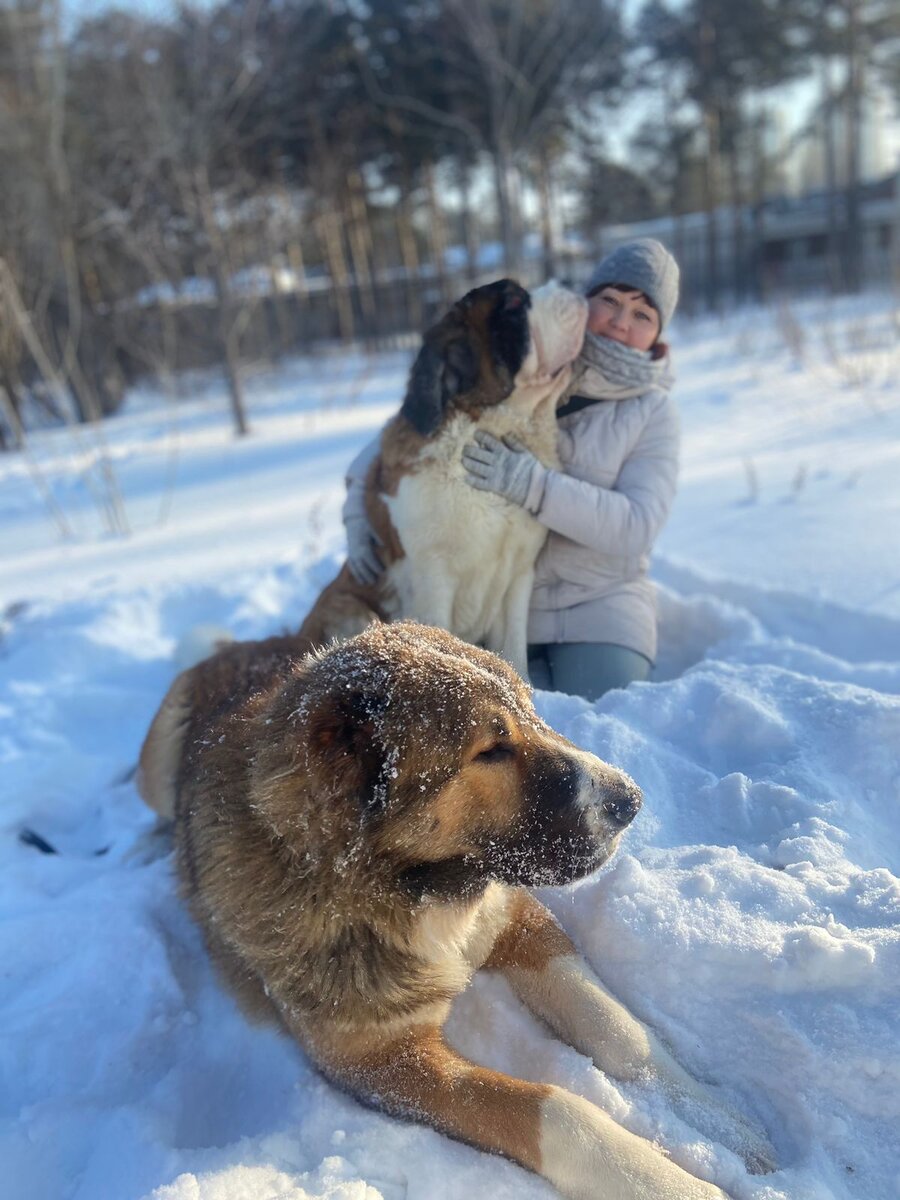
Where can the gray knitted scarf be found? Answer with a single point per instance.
(607, 370)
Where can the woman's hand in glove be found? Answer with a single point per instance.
(363, 544)
(504, 467)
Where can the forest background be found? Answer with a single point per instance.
(220, 185)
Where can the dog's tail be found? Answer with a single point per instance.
(157, 772)
(157, 769)
(198, 643)
(343, 609)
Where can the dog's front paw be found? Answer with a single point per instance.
(758, 1153)
(748, 1142)
(586, 1155)
(722, 1123)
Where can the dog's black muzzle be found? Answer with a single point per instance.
(622, 799)
(577, 808)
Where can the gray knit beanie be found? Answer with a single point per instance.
(647, 266)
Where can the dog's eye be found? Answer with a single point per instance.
(496, 753)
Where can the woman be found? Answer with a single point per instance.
(592, 622)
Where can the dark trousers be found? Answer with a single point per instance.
(585, 668)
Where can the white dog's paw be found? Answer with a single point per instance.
(756, 1150)
(722, 1123)
(761, 1160)
(749, 1142)
(588, 1156)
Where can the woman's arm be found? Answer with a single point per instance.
(363, 558)
(625, 519)
(355, 479)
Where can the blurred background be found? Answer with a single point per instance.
(218, 185)
(222, 217)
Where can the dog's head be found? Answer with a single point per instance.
(430, 751)
(495, 337)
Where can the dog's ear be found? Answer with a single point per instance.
(439, 374)
(509, 331)
(345, 734)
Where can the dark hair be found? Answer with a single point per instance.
(624, 287)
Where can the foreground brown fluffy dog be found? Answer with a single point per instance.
(353, 830)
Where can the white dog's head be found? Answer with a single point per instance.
(497, 340)
(557, 320)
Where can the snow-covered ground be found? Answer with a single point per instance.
(752, 916)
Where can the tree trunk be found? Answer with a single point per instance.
(438, 233)
(503, 188)
(711, 200)
(12, 438)
(548, 240)
(329, 226)
(757, 251)
(409, 252)
(853, 248)
(833, 250)
(468, 224)
(297, 263)
(230, 349)
(225, 306)
(738, 241)
(360, 250)
(383, 258)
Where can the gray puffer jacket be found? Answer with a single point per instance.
(603, 511)
(618, 445)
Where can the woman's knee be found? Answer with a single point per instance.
(539, 669)
(591, 669)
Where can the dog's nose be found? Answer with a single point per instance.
(622, 799)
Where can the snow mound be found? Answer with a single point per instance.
(752, 916)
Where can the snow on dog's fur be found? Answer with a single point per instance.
(458, 557)
(355, 833)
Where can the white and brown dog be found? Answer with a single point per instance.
(457, 557)
(355, 830)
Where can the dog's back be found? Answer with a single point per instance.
(210, 689)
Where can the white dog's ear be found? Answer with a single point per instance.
(436, 379)
(509, 329)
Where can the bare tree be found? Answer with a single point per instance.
(720, 54)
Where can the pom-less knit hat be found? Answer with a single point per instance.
(647, 266)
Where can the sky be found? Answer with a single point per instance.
(789, 105)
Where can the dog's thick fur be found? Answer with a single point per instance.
(456, 556)
(354, 828)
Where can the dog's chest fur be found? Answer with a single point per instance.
(474, 544)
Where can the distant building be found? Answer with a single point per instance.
(786, 244)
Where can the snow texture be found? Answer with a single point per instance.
(752, 916)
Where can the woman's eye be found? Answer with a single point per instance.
(644, 316)
(495, 753)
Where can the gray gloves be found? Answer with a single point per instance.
(504, 467)
(363, 558)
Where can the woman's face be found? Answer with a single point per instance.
(625, 317)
